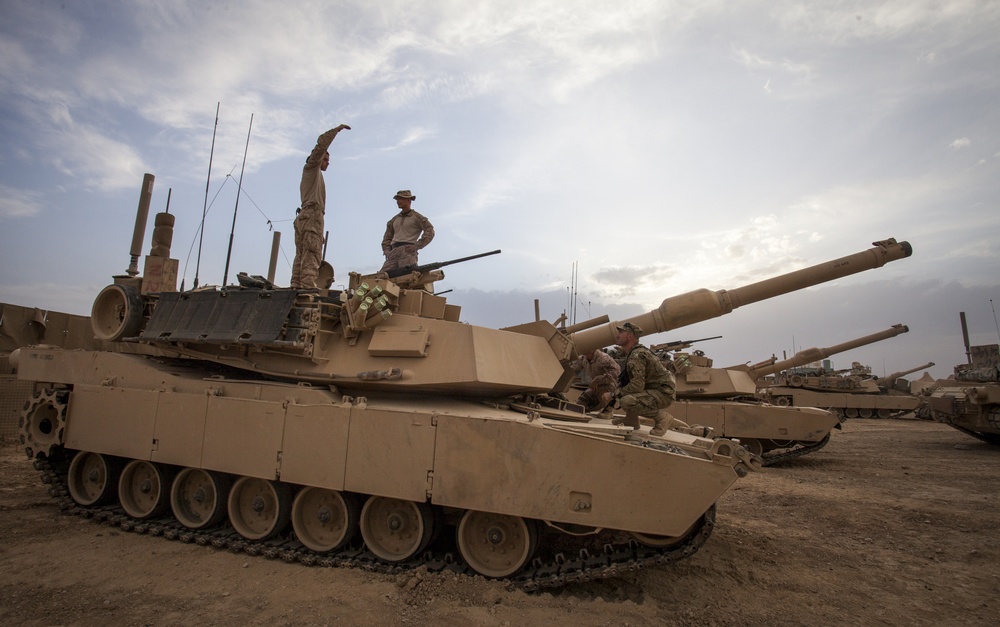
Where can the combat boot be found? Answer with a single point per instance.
(661, 422)
(631, 419)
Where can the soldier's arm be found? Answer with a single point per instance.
(322, 145)
(387, 238)
(427, 234)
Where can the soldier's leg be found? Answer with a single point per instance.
(312, 245)
(638, 404)
(297, 264)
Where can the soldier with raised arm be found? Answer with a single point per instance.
(309, 223)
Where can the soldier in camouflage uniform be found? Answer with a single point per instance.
(309, 221)
(405, 234)
(602, 377)
(646, 387)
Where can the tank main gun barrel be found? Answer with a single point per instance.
(886, 380)
(704, 304)
(810, 355)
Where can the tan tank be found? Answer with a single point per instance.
(24, 326)
(971, 401)
(371, 419)
(850, 393)
(723, 400)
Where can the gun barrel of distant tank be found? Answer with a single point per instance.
(902, 373)
(809, 355)
(703, 304)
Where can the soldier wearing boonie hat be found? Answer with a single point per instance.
(405, 234)
(645, 387)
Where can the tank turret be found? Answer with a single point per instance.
(889, 380)
(809, 355)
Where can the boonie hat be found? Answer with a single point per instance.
(404, 193)
(634, 329)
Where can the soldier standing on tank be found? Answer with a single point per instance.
(602, 372)
(309, 221)
(646, 387)
(405, 234)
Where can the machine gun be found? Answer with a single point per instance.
(427, 267)
(679, 345)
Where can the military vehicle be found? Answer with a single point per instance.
(971, 401)
(851, 393)
(726, 400)
(372, 412)
(24, 326)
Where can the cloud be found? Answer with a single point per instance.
(16, 203)
(958, 144)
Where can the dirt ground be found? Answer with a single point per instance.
(894, 523)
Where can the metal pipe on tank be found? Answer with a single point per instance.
(809, 355)
(145, 196)
(275, 242)
(888, 379)
(703, 304)
(588, 324)
(965, 338)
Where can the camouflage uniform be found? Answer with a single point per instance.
(646, 385)
(309, 221)
(603, 374)
(405, 234)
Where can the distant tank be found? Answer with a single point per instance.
(723, 400)
(851, 393)
(25, 326)
(971, 401)
(368, 420)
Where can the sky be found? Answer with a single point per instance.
(617, 153)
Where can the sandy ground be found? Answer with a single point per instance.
(893, 523)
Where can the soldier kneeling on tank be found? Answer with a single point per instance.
(645, 386)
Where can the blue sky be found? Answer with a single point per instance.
(660, 146)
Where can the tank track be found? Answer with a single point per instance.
(989, 438)
(777, 458)
(555, 571)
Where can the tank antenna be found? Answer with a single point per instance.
(239, 192)
(995, 319)
(204, 209)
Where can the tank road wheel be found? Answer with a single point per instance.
(496, 545)
(851, 412)
(43, 422)
(753, 445)
(92, 478)
(865, 413)
(259, 509)
(783, 401)
(325, 520)
(144, 489)
(396, 530)
(661, 542)
(884, 413)
(198, 498)
(117, 313)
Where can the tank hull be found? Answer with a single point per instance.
(973, 409)
(846, 405)
(455, 454)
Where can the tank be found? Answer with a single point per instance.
(24, 326)
(369, 427)
(723, 399)
(850, 393)
(970, 402)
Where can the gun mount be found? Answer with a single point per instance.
(680, 345)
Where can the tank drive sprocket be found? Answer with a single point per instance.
(43, 421)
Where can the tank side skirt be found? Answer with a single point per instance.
(611, 559)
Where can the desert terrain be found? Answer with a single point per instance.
(895, 522)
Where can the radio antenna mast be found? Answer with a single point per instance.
(239, 192)
(204, 209)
